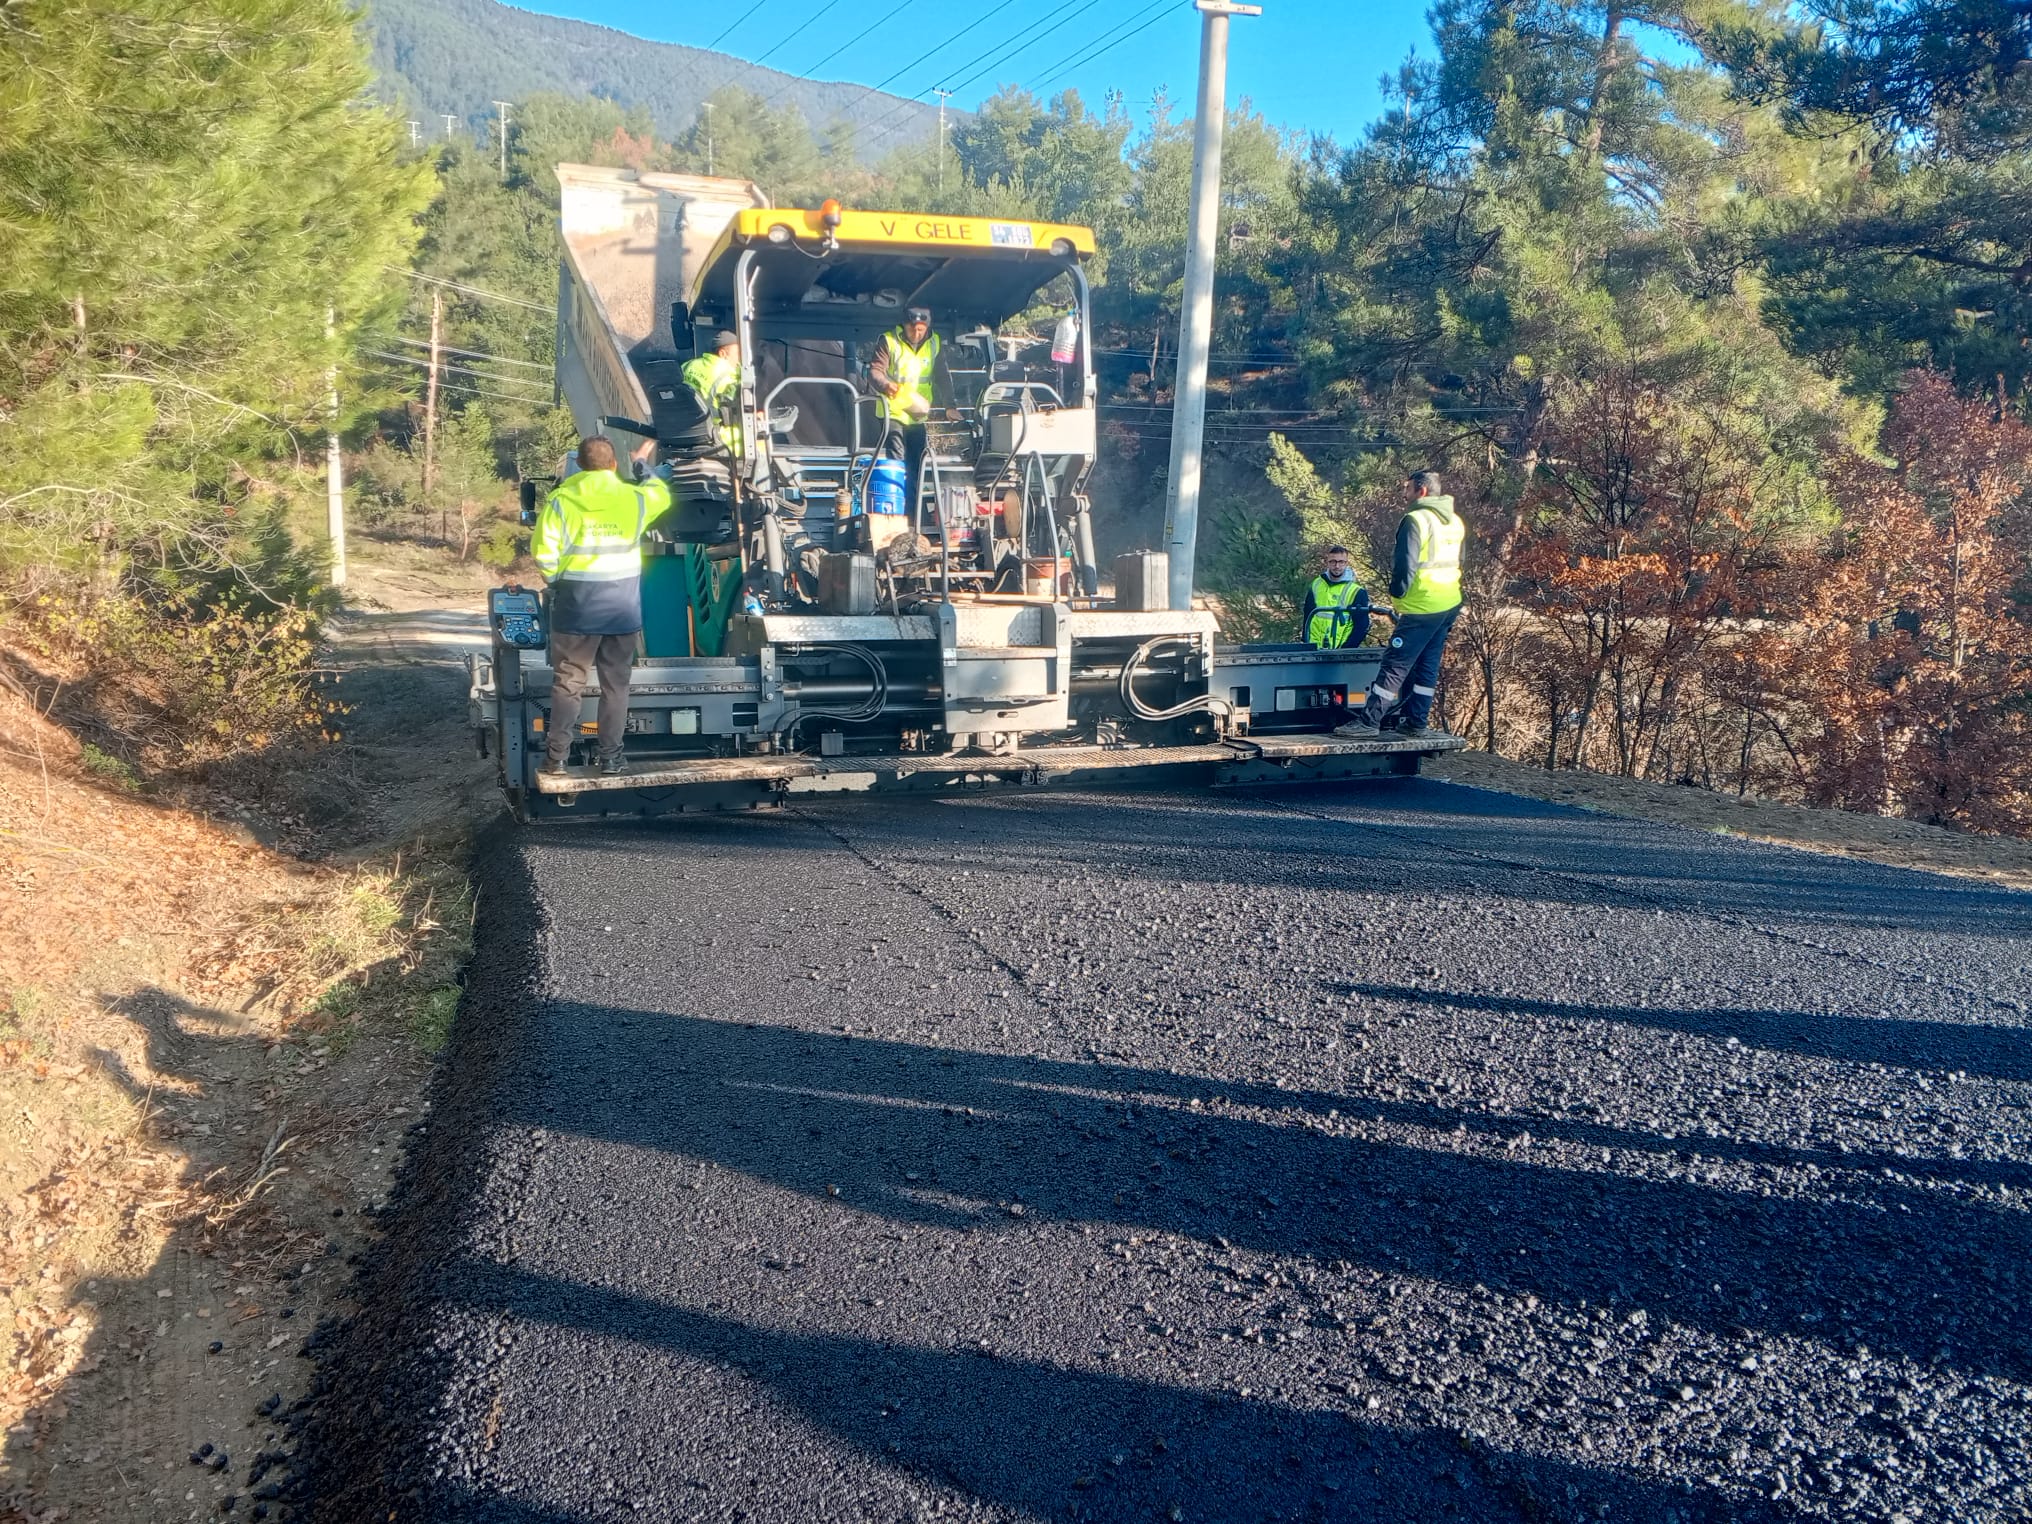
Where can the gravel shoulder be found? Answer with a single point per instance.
(1414, 1152)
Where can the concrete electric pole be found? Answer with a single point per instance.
(707, 108)
(450, 122)
(430, 392)
(335, 481)
(1196, 311)
(412, 133)
(503, 106)
(943, 97)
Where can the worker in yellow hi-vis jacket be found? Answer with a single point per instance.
(588, 540)
(1425, 584)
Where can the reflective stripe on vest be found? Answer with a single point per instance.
(910, 369)
(1333, 620)
(1435, 562)
(601, 552)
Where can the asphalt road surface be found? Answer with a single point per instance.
(1386, 1153)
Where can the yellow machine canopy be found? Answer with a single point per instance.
(968, 270)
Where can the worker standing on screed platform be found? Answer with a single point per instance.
(1336, 613)
(1425, 584)
(715, 379)
(902, 374)
(588, 540)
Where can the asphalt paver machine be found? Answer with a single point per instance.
(800, 633)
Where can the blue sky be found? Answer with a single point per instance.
(1311, 65)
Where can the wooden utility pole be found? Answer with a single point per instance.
(430, 393)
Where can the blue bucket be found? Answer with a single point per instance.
(888, 482)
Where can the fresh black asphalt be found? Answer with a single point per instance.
(1398, 1152)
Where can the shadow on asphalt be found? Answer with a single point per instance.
(857, 1117)
(1030, 1436)
(1938, 1046)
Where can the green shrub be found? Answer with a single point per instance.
(109, 769)
(501, 545)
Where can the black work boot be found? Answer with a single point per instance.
(613, 764)
(554, 767)
(1360, 728)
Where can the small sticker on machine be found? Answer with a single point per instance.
(1011, 235)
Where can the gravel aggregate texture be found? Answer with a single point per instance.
(1392, 1153)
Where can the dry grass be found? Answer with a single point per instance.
(140, 946)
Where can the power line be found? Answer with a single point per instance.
(923, 57)
(482, 391)
(851, 42)
(735, 24)
(492, 296)
(1003, 49)
(794, 32)
(464, 370)
(1101, 45)
(473, 354)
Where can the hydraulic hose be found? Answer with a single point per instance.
(1205, 702)
(868, 709)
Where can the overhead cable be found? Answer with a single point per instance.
(733, 25)
(1072, 9)
(792, 33)
(459, 370)
(1099, 45)
(930, 53)
(492, 296)
(474, 354)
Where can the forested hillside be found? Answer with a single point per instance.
(1716, 324)
(460, 56)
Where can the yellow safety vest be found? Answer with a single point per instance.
(1333, 619)
(591, 528)
(911, 370)
(716, 382)
(1437, 534)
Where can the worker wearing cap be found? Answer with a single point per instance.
(1336, 613)
(902, 376)
(1425, 585)
(715, 379)
(588, 540)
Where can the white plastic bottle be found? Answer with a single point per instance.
(1065, 338)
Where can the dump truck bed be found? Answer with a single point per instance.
(634, 242)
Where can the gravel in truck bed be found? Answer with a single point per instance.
(1393, 1153)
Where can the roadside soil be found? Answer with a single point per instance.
(215, 1035)
(1874, 838)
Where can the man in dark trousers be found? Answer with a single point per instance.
(588, 540)
(1425, 584)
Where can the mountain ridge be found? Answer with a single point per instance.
(457, 57)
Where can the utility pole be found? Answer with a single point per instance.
(412, 133)
(430, 393)
(1196, 310)
(943, 97)
(450, 122)
(335, 482)
(503, 105)
(707, 108)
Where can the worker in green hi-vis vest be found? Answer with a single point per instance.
(1425, 584)
(1336, 611)
(715, 379)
